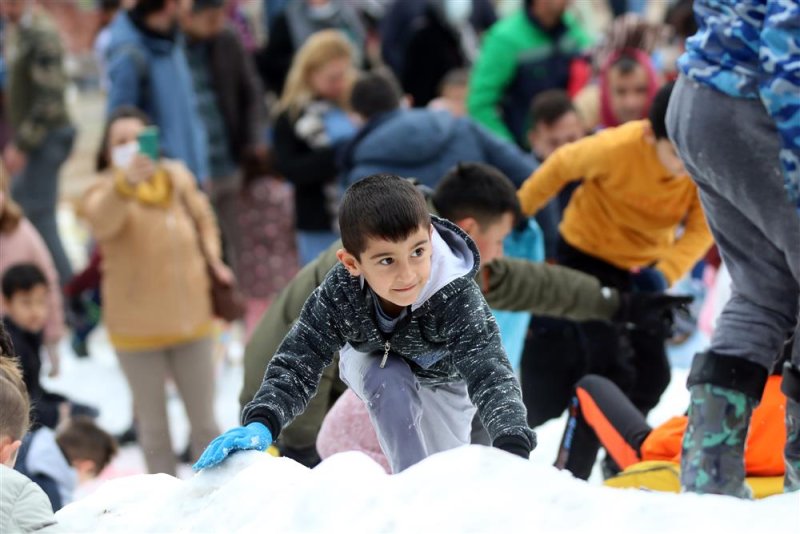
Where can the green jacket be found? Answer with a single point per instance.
(37, 80)
(518, 60)
(507, 284)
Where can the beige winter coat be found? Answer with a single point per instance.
(155, 286)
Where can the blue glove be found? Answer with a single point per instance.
(338, 126)
(253, 436)
(650, 280)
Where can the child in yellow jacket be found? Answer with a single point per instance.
(636, 223)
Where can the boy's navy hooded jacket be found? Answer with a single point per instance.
(447, 336)
(425, 144)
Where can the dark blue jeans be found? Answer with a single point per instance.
(36, 190)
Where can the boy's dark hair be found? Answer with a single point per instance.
(549, 106)
(476, 190)
(457, 77)
(22, 277)
(625, 63)
(102, 160)
(382, 206)
(374, 93)
(146, 7)
(81, 439)
(658, 111)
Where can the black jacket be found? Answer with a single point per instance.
(451, 336)
(239, 92)
(310, 170)
(27, 346)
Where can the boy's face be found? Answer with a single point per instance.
(546, 138)
(669, 157)
(629, 94)
(489, 237)
(29, 308)
(396, 272)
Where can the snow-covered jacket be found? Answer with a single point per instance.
(448, 335)
(24, 507)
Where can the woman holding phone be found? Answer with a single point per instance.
(146, 213)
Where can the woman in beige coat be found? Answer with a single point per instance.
(145, 216)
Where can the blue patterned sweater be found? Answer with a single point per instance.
(751, 49)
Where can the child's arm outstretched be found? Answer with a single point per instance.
(291, 380)
(478, 354)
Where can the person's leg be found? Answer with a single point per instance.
(146, 372)
(552, 361)
(347, 427)
(652, 373)
(36, 190)
(191, 365)
(392, 396)
(601, 414)
(447, 414)
(224, 194)
(758, 234)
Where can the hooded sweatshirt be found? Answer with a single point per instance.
(448, 335)
(425, 144)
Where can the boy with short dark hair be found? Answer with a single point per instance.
(417, 341)
(58, 461)
(25, 301)
(554, 122)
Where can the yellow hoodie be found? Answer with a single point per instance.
(628, 209)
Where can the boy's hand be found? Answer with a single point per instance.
(55, 360)
(254, 436)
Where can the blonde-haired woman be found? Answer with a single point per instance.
(20, 242)
(311, 124)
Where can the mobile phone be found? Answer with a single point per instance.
(148, 142)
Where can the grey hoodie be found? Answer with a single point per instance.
(447, 336)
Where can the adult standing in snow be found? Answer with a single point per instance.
(312, 122)
(42, 134)
(147, 69)
(741, 75)
(150, 222)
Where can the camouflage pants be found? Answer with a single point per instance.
(713, 446)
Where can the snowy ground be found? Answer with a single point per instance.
(472, 489)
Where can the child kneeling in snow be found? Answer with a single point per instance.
(418, 343)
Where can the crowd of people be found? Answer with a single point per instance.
(350, 183)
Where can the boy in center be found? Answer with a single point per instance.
(418, 343)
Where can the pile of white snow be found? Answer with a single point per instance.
(472, 489)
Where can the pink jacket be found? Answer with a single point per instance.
(347, 427)
(25, 245)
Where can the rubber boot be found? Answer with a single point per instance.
(790, 385)
(713, 446)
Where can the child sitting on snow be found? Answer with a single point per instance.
(59, 461)
(417, 341)
(23, 505)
